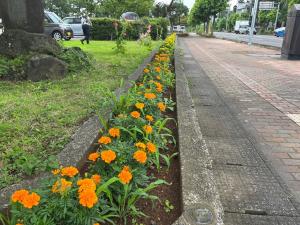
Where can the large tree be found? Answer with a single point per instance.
(204, 10)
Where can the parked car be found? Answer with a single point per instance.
(130, 16)
(179, 28)
(75, 24)
(56, 28)
(279, 32)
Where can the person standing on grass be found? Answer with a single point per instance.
(86, 26)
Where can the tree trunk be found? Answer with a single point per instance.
(213, 25)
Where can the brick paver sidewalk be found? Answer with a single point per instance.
(248, 105)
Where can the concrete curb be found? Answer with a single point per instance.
(82, 142)
(201, 202)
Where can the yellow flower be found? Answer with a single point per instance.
(146, 70)
(148, 129)
(140, 105)
(31, 200)
(140, 145)
(19, 195)
(108, 156)
(149, 96)
(104, 140)
(114, 132)
(88, 198)
(55, 172)
(96, 178)
(140, 156)
(61, 186)
(161, 106)
(149, 118)
(157, 69)
(86, 184)
(151, 147)
(125, 175)
(69, 171)
(135, 114)
(158, 77)
(94, 156)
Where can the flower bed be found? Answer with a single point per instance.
(135, 140)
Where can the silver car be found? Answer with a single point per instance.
(75, 24)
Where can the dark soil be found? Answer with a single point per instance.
(156, 212)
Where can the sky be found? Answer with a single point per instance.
(190, 3)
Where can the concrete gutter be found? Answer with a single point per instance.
(201, 202)
(83, 142)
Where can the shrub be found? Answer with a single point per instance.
(103, 28)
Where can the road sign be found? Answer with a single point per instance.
(266, 5)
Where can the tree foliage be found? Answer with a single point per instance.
(107, 8)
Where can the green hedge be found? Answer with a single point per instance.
(103, 28)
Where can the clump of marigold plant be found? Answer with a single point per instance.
(125, 175)
(148, 129)
(26, 199)
(69, 171)
(135, 114)
(104, 140)
(114, 132)
(140, 156)
(108, 156)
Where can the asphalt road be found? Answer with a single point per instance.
(266, 40)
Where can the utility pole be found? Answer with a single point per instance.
(254, 12)
(278, 7)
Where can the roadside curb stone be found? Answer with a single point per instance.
(201, 201)
(83, 142)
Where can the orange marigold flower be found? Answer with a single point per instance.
(158, 77)
(86, 184)
(140, 156)
(61, 186)
(140, 105)
(19, 224)
(19, 195)
(148, 129)
(104, 140)
(157, 69)
(151, 147)
(149, 118)
(146, 70)
(159, 87)
(69, 171)
(88, 198)
(96, 223)
(135, 114)
(114, 132)
(125, 175)
(55, 172)
(140, 145)
(94, 156)
(31, 200)
(150, 96)
(108, 156)
(161, 106)
(96, 178)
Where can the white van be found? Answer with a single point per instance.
(179, 28)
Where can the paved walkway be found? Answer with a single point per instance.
(248, 106)
(266, 40)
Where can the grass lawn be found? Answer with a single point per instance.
(38, 119)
